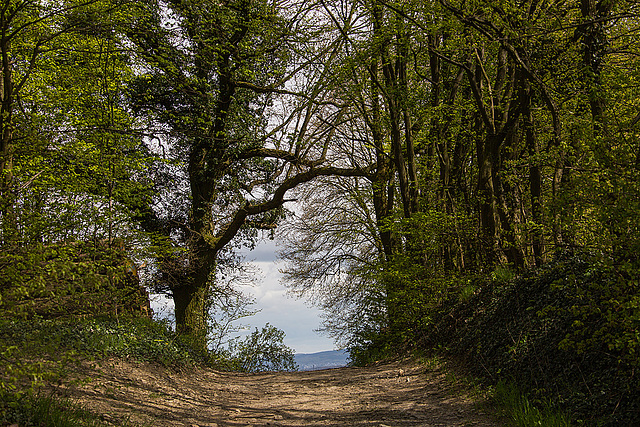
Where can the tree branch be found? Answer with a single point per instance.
(229, 232)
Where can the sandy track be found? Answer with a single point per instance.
(394, 395)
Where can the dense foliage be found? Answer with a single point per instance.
(70, 280)
(498, 134)
(126, 337)
(566, 333)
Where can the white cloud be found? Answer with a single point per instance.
(162, 306)
(295, 317)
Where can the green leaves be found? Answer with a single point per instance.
(75, 279)
(77, 163)
(263, 350)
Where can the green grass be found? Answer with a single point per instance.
(132, 338)
(37, 351)
(47, 411)
(518, 409)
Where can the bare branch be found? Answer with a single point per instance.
(229, 232)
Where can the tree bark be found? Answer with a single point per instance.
(7, 196)
(191, 305)
(486, 196)
(383, 194)
(535, 176)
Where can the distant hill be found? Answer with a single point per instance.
(322, 360)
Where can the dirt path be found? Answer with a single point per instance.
(399, 394)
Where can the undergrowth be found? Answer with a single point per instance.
(45, 411)
(567, 334)
(511, 406)
(37, 351)
(136, 338)
(518, 409)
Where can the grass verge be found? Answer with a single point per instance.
(36, 352)
(48, 411)
(505, 399)
(518, 409)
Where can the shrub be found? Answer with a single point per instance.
(134, 338)
(66, 280)
(263, 351)
(568, 333)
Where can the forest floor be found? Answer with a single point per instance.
(395, 394)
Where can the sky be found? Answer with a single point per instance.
(294, 316)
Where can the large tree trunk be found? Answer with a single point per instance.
(505, 196)
(395, 85)
(206, 168)
(191, 307)
(594, 49)
(409, 144)
(402, 162)
(381, 181)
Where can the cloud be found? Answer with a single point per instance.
(162, 306)
(265, 251)
(294, 316)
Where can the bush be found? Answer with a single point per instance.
(568, 333)
(134, 338)
(263, 351)
(72, 279)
